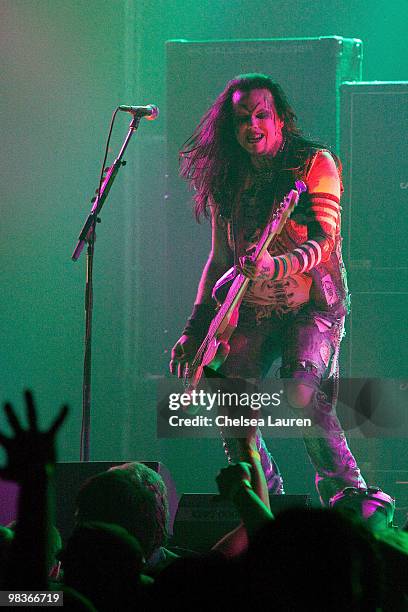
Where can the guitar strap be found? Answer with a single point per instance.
(225, 278)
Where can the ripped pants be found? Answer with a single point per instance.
(307, 342)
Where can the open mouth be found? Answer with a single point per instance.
(254, 139)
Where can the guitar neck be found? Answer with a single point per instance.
(240, 284)
(233, 298)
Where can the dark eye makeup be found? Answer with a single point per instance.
(259, 115)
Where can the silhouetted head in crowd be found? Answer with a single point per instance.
(103, 562)
(132, 496)
(206, 582)
(371, 505)
(315, 559)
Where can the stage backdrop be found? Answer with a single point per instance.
(66, 66)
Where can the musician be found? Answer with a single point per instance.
(244, 156)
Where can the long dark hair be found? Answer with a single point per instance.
(212, 160)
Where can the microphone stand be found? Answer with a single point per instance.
(88, 235)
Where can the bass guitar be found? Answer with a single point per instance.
(214, 349)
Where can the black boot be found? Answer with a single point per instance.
(326, 444)
(270, 468)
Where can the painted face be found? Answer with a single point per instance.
(258, 128)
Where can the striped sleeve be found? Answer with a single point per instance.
(322, 217)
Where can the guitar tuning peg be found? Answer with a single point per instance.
(300, 186)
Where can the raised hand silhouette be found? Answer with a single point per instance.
(29, 449)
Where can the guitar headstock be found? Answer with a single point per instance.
(300, 187)
(285, 208)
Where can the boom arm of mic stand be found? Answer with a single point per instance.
(89, 225)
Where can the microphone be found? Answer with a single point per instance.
(151, 111)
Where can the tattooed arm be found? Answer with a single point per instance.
(322, 220)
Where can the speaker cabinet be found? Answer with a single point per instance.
(9, 492)
(374, 151)
(202, 519)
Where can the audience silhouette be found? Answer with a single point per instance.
(318, 559)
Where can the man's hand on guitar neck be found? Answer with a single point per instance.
(182, 354)
(263, 269)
